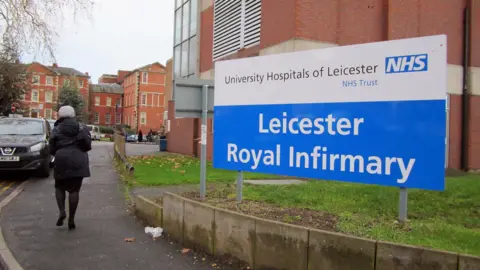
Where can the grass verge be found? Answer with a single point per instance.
(172, 169)
(448, 220)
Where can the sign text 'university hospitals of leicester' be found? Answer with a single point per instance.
(371, 113)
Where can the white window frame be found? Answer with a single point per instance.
(118, 102)
(97, 101)
(22, 97)
(49, 100)
(143, 118)
(49, 78)
(80, 83)
(108, 118)
(109, 101)
(48, 110)
(38, 96)
(96, 118)
(36, 79)
(144, 99)
(118, 118)
(144, 77)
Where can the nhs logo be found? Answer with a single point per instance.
(406, 63)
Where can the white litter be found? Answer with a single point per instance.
(154, 232)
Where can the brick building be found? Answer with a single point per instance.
(212, 30)
(45, 82)
(144, 100)
(108, 78)
(106, 104)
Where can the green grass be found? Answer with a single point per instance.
(178, 170)
(448, 220)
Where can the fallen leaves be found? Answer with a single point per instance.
(130, 239)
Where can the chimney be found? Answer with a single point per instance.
(17, 61)
(55, 65)
(86, 73)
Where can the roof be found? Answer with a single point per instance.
(68, 71)
(143, 68)
(63, 70)
(109, 75)
(111, 88)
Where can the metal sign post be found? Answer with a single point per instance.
(239, 186)
(194, 99)
(403, 205)
(203, 143)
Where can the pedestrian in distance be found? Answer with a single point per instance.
(140, 136)
(69, 143)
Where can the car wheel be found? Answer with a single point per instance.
(44, 171)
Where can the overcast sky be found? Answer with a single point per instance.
(122, 34)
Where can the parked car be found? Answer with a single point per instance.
(132, 138)
(24, 145)
(95, 132)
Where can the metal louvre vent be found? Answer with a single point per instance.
(236, 25)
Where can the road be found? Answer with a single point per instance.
(9, 181)
(103, 223)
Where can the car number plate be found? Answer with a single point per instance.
(10, 158)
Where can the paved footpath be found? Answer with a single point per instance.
(28, 226)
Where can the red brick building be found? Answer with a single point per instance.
(279, 26)
(44, 84)
(144, 101)
(106, 104)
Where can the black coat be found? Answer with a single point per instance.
(70, 142)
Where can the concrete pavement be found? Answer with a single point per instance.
(28, 226)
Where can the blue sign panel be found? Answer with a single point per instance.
(373, 113)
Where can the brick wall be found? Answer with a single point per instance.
(345, 22)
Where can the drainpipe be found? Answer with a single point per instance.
(466, 92)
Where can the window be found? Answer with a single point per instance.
(184, 61)
(36, 79)
(192, 62)
(109, 101)
(97, 101)
(80, 83)
(186, 17)
(144, 99)
(96, 118)
(144, 77)
(179, 3)
(178, 26)
(107, 118)
(49, 80)
(48, 96)
(119, 102)
(118, 118)
(177, 58)
(34, 96)
(48, 113)
(143, 118)
(185, 21)
(22, 97)
(66, 83)
(228, 35)
(193, 17)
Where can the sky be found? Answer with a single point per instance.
(121, 34)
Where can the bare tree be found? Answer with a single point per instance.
(33, 25)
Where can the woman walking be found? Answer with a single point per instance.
(70, 141)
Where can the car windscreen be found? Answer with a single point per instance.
(90, 128)
(20, 127)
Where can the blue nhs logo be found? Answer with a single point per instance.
(406, 63)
